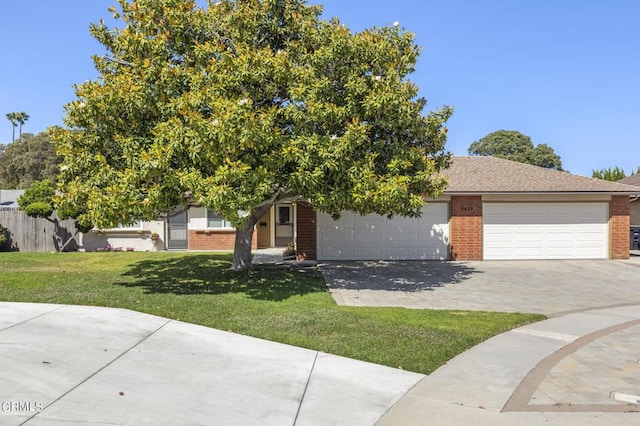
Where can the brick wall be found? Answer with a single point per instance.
(306, 241)
(619, 226)
(466, 228)
(210, 239)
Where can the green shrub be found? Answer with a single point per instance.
(3, 236)
(39, 209)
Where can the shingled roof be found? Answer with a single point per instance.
(631, 180)
(487, 175)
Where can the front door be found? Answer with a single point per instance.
(177, 234)
(284, 224)
(264, 230)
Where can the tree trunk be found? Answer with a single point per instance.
(244, 235)
(56, 235)
(64, 246)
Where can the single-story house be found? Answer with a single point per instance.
(492, 209)
(633, 180)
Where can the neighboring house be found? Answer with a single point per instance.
(9, 198)
(635, 202)
(492, 209)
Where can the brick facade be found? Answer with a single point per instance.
(216, 239)
(619, 226)
(306, 239)
(465, 235)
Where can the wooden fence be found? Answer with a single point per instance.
(26, 233)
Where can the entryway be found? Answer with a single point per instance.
(177, 233)
(277, 227)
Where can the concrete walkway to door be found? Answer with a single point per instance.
(546, 287)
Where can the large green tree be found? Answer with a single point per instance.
(27, 160)
(240, 104)
(515, 146)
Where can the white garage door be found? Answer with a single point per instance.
(545, 231)
(374, 237)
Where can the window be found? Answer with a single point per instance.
(216, 221)
(284, 215)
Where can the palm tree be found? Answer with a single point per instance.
(13, 118)
(21, 117)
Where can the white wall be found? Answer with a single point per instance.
(139, 239)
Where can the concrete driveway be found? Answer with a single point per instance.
(546, 287)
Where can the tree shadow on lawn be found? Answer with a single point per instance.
(405, 276)
(207, 274)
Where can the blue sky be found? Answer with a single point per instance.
(566, 73)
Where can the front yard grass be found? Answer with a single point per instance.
(287, 305)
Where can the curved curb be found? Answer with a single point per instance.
(520, 398)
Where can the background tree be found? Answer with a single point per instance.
(13, 118)
(241, 104)
(612, 174)
(515, 146)
(38, 201)
(28, 159)
(21, 117)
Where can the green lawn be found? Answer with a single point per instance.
(286, 305)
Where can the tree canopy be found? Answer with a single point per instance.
(240, 104)
(27, 160)
(612, 174)
(515, 146)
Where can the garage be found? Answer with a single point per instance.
(545, 231)
(375, 237)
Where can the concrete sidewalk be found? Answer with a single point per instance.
(63, 365)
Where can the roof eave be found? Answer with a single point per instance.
(628, 193)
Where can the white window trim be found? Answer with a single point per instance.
(226, 224)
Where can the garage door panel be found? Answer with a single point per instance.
(334, 253)
(560, 237)
(399, 238)
(400, 253)
(341, 238)
(371, 237)
(526, 253)
(366, 223)
(545, 230)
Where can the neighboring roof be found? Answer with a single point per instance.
(480, 174)
(631, 180)
(9, 198)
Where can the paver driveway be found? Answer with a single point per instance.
(547, 287)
